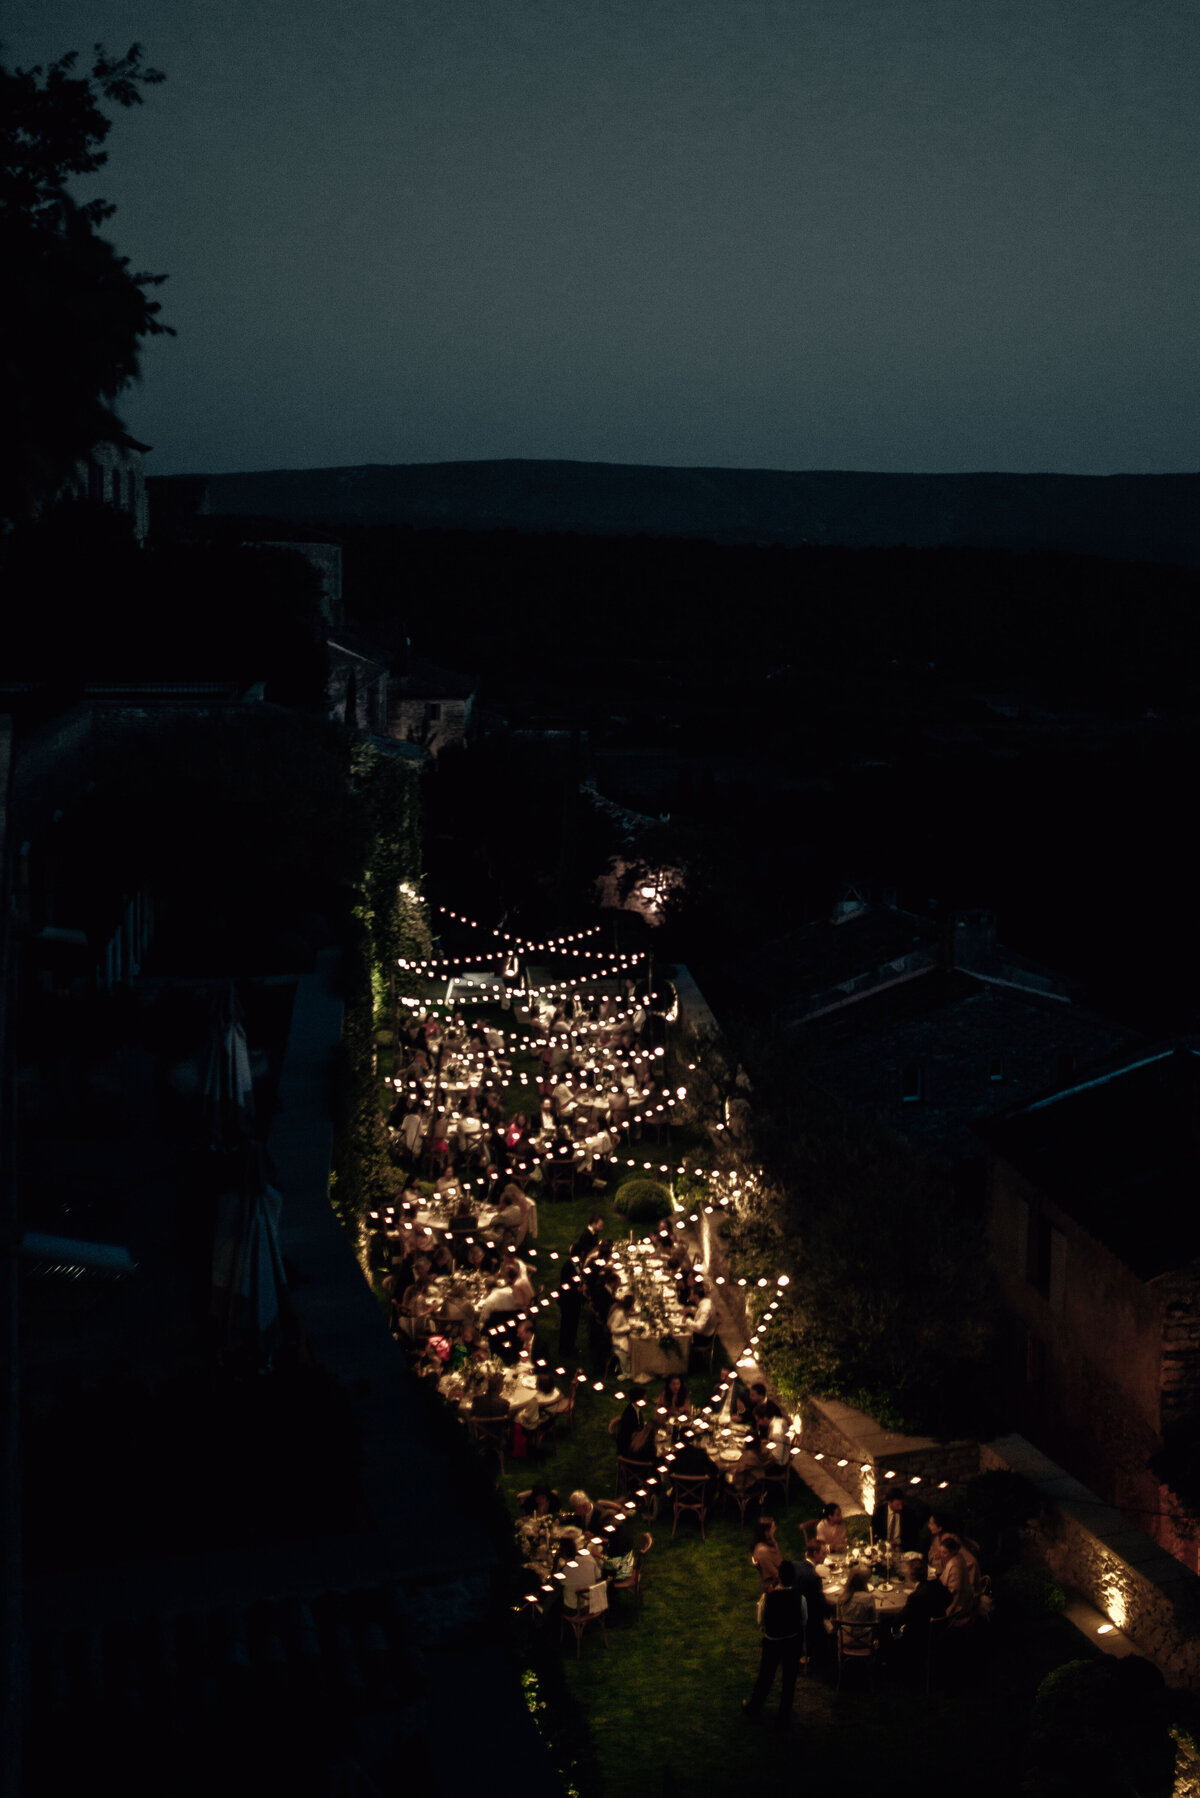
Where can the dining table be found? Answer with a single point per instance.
(889, 1594)
(520, 1385)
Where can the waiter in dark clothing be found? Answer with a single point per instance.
(784, 1616)
(570, 1299)
(808, 1584)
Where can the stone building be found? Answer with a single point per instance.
(1095, 1239)
(114, 474)
(931, 1025)
(358, 682)
(939, 1050)
(431, 706)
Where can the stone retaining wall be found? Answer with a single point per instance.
(1151, 1597)
(860, 1454)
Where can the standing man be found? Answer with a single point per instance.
(784, 1618)
(808, 1584)
(895, 1522)
(570, 1299)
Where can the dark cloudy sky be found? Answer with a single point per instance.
(873, 234)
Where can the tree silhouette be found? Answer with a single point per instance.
(72, 315)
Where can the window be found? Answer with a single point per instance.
(996, 1068)
(433, 714)
(912, 1083)
(1046, 1262)
(1037, 1265)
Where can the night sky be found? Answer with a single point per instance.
(869, 234)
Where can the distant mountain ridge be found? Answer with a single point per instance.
(1128, 517)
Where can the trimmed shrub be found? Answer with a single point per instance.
(643, 1201)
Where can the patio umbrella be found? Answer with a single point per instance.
(248, 1280)
(228, 1083)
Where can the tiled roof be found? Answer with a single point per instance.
(1119, 1150)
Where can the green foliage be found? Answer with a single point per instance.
(389, 794)
(361, 1172)
(562, 1745)
(643, 1201)
(996, 1505)
(1028, 1592)
(1102, 1724)
(890, 1304)
(72, 315)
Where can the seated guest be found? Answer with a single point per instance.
(691, 1461)
(958, 1577)
(524, 1339)
(490, 1403)
(618, 1552)
(541, 1500)
(417, 1307)
(674, 1397)
(766, 1553)
(756, 1460)
(547, 1402)
(927, 1599)
(441, 1261)
(499, 1298)
(740, 1403)
(470, 1342)
(857, 1608)
(512, 1219)
(764, 1408)
(635, 1431)
(578, 1568)
(456, 1304)
(580, 1509)
(832, 1530)
(516, 1274)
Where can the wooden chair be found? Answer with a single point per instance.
(631, 1474)
(562, 1180)
(543, 1433)
(701, 1351)
(781, 1477)
(492, 1433)
(750, 1495)
(857, 1645)
(634, 1582)
(808, 1529)
(689, 1494)
(591, 1606)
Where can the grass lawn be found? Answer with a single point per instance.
(659, 1710)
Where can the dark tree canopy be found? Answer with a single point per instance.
(72, 314)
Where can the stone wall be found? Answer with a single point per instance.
(870, 1461)
(1145, 1592)
(410, 722)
